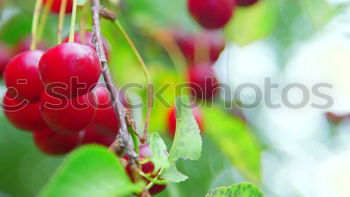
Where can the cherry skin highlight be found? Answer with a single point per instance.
(172, 120)
(88, 41)
(147, 168)
(22, 77)
(56, 6)
(246, 2)
(203, 82)
(22, 114)
(53, 143)
(92, 136)
(70, 69)
(67, 115)
(211, 14)
(5, 57)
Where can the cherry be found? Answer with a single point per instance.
(336, 118)
(67, 115)
(212, 41)
(22, 114)
(147, 168)
(53, 143)
(22, 76)
(106, 121)
(172, 120)
(24, 45)
(4, 58)
(246, 2)
(203, 82)
(211, 14)
(56, 6)
(92, 136)
(70, 69)
(88, 41)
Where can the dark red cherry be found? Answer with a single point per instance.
(211, 14)
(88, 41)
(70, 69)
(336, 118)
(21, 76)
(172, 120)
(106, 121)
(5, 57)
(68, 115)
(147, 168)
(209, 41)
(54, 143)
(56, 6)
(22, 114)
(246, 2)
(91, 136)
(24, 45)
(203, 82)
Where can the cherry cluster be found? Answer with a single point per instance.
(54, 95)
(215, 14)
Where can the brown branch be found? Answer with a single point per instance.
(117, 105)
(107, 14)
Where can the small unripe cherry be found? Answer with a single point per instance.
(147, 168)
(68, 115)
(56, 6)
(172, 120)
(203, 82)
(53, 143)
(5, 57)
(70, 69)
(88, 41)
(211, 14)
(22, 77)
(245, 2)
(22, 114)
(91, 136)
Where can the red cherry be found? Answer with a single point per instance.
(203, 82)
(336, 118)
(24, 45)
(91, 136)
(5, 57)
(22, 76)
(147, 168)
(88, 41)
(22, 114)
(70, 69)
(211, 14)
(56, 6)
(172, 120)
(246, 2)
(53, 143)
(67, 115)
(209, 41)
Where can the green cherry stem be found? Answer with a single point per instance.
(148, 78)
(61, 21)
(35, 22)
(44, 17)
(73, 20)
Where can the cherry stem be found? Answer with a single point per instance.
(61, 21)
(148, 187)
(44, 17)
(148, 79)
(73, 20)
(35, 22)
(117, 104)
(82, 25)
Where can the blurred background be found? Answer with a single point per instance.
(288, 152)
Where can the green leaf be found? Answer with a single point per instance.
(172, 174)
(235, 140)
(159, 152)
(187, 142)
(81, 2)
(90, 171)
(252, 23)
(237, 190)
